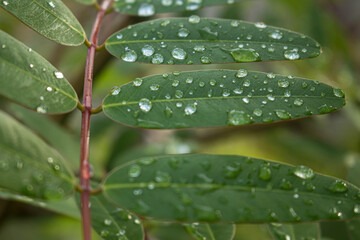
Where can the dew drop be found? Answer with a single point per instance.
(338, 186)
(116, 91)
(183, 32)
(283, 83)
(49, 89)
(292, 54)
(179, 94)
(276, 35)
(129, 56)
(41, 109)
(205, 60)
(265, 173)
(303, 172)
(145, 105)
(257, 112)
(147, 50)
(107, 222)
(338, 93)
(157, 59)
(260, 25)
(51, 4)
(236, 117)
(298, 102)
(146, 10)
(179, 53)
(199, 48)
(241, 73)
(134, 171)
(5, 3)
(194, 19)
(190, 109)
(283, 115)
(154, 87)
(245, 55)
(189, 80)
(137, 82)
(168, 112)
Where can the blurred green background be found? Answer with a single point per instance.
(329, 144)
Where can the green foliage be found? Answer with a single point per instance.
(213, 188)
(28, 79)
(211, 231)
(28, 166)
(52, 19)
(201, 40)
(218, 98)
(295, 232)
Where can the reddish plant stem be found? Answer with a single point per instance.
(85, 123)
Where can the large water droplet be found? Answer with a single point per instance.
(134, 171)
(138, 82)
(283, 115)
(303, 172)
(276, 35)
(283, 83)
(245, 55)
(145, 105)
(194, 19)
(298, 102)
(190, 109)
(338, 93)
(338, 186)
(183, 32)
(241, 73)
(291, 54)
(147, 50)
(129, 56)
(179, 53)
(157, 59)
(146, 10)
(236, 117)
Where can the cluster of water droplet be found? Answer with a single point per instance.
(204, 41)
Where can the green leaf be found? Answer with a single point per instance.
(28, 79)
(201, 231)
(295, 231)
(28, 166)
(57, 136)
(215, 188)
(87, 2)
(111, 222)
(52, 19)
(150, 7)
(218, 98)
(204, 41)
(66, 207)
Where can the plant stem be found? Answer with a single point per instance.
(85, 123)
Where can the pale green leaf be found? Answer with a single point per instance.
(28, 166)
(52, 19)
(205, 41)
(218, 98)
(30, 80)
(150, 7)
(221, 188)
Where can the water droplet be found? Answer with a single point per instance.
(168, 112)
(51, 4)
(166, 3)
(234, 23)
(194, 19)
(199, 48)
(276, 35)
(183, 32)
(260, 25)
(283, 83)
(246, 100)
(107, 222)
(205, 60)
(134, 171)
(303, 172)
(241, 73)
(338, 93)
(236, 117)
(298, 102)
(154, 87)
(146, 10)
(145, 105)
(283, 115)
(179, 94)
(207, 33)
(357, 209)
(49, 89)
(157, 59)
(41, 109)
(335, 213)
(338, 186)
(325, 108)
(137, 82)
(285, 184)
(189, 80)
(147, 50)
(104, 233)
(257, 112)
(129, 56)
(190, 109)
(179, 53)
(245, 55)
(265, 173)
(5, 3)
(116, 91)
(162, 177)
(292, 54)
(119, 36)
(232, 171)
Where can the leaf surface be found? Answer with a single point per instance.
(88, 2)
(218, 98)
(148, 8)
(205, 41)
(211, 231)
(111, 222)
(52, 19)
(234, 189)
(295, 231)
(30, 80)
(28, 166)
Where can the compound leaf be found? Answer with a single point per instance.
(231, 189)
(218, 98)
(30, 80)
(28, 166)
(52, 19)
(205, 41)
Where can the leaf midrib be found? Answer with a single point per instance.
(211, 98)
(212, 186)
(38, 79)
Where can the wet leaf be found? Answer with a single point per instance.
(111, 222)
(218, 98)
(52, 19)
(30, 80)
(215, 188)
(205, 41)
(28, 166)
(295, 231)
(148, 8)
(201, 231)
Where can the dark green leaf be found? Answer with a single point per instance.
(28, 166)
(66, 207)
(150, 7)
(195, 41)
(52, 19)
(28, 79)
(114, 223)
(201, 231)
(218, 98)
(58, 137)
(215, 188)
(295, 231)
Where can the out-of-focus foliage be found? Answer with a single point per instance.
(324, 143)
